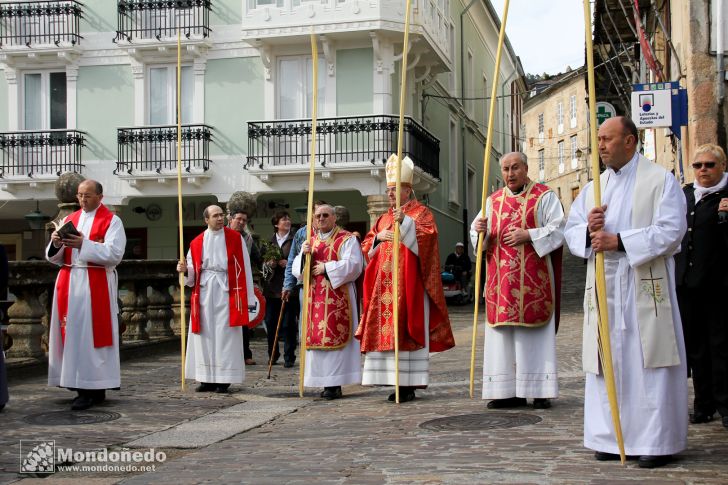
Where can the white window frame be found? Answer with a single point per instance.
(561, 156)
(574, 149)
(306, 85)
(560, 117)
(171, 93)
(541, 165)
(541, 136)
(470, 85)
(572, 111)
(45, 92)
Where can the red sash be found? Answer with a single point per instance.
(518, 288)
(237, 295)
(98, 284)
(329, 309)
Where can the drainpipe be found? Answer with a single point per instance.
(720, 86)
(462, 123)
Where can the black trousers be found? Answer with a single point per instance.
(288, 332)
(705, 325)
(247, 353)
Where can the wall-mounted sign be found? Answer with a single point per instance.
(604, 112)
(652, 108)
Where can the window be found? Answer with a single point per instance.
(295, 93)
(561, 156)
(572, 111)
(453, 189)
(540, 128)
(162, 101)
(44, 101)
(541, 165)
(469, 85)
(574, 148)
(560, 117)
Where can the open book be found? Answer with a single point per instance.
(65, 230)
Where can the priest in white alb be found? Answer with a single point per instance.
(218, 269)
(333, 357)
(638, 228)
(524, 234)
(83, 345)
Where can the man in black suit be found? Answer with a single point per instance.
(702, 283)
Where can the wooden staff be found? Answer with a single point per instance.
(398, 191)
(605, 349)
(484, 196)
(309, 213)
(275, 339)
(182, 259)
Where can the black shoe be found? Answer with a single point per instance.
(98, 396)
(725, 421)
(653, 461)
(81, 403)
(511, 402)
(205, 387)
(541, 403)
(604, 456)
(2, 406)
(288, 365)
(699, 417)
(330, 393)
(222, 388)
(406, 394)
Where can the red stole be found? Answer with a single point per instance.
(237, 294)
(98, 284)
(518, 290)
(329, 309)
(417, 275)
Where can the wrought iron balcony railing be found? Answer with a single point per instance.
(48, 22)
(153, 149)
(160, 19)
(40, 153)
(341, 140)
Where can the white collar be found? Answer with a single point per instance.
(701, 191)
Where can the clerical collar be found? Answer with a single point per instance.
(88, 213)
(326, 235)
(523, 187)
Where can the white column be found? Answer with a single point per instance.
(382, 71)
(137, 70)
(11, 77)
(198, 101)
(71, 107)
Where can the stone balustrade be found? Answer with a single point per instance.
(148, 291)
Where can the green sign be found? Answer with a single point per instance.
(604, 112)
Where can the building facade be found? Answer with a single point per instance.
(91, 88)
(557, 135)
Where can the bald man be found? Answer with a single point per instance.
(218, 268)
(83, 347)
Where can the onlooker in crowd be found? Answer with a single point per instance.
(524, 224)
(222, 295)
(702, 283)
(459, 263)
(238, 221)
(83, 344)
(282, 238)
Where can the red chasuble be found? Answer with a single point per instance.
(417, 275)
(98, 284)
(329, 309)
(237, 286)
(519, 290)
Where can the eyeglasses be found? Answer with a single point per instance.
(85, 196)
(699, 165)
(322, 216)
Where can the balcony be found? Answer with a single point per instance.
(343, 145)
(150, 153)
(274, 21)
(32, 157)
(44, 23)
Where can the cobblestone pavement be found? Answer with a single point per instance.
(362, 438)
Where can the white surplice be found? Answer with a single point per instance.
(519, 361)
(414, 366)
(215, 355)
(327, 368)
(77, 363)
(653, 402)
